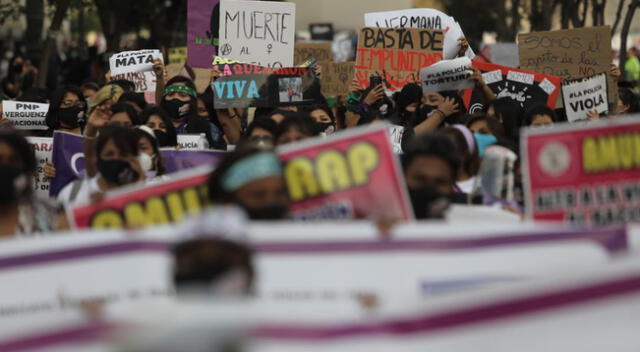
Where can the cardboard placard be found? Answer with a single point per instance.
(177, 55)
(569, 53)
(133, 61)
(337, 77)
(68, 158)
(144, 81)
(258, 32)
(525, 87)
(447, 75)
(348, 175)
(143, 205)
(25, 115)
(583, 174)
(583, 95)
(244, 85)
(321, 51)
(202, 31)
(396, 54)
(43, 149)
(422, 18)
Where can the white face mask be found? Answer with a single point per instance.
(146, 161)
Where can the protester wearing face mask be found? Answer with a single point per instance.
(21, 213)
(124, 114)
(89, 90)
(509, 113)
(295, 127)
(252, 179)
(179, 101)
(212, 267)
(479, 123)
(151, 160)
(66, 111)
(160, 123)
(323, 117)
(430, 168)
(468, 153)
(118, 164)
(261, 132)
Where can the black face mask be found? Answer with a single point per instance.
(428, 203)
(176, 109)
(71, 116)
(162, 137)
(117, 172)
(13, 184)
(325, 127)
(269, 212)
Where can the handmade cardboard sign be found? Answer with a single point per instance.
(321, 51)
(583, 95)
(350, 175)
(43, 148)
(422, 18)
(147, 205)
(137, 67)
(202, 32)
(25, 115)
(583, 174)
(525, 87)
(447, 75)
(396, 54)
(569, 53)
(336, 78)
(258, 32)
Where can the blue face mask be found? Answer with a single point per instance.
(483, 141)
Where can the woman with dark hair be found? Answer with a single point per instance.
(467, 150)
(295, 127)
(160, 123)
(124, 114)
(180, 102)
(261, 131)
(323, 117)
(151, 160)
(21, 213)
(628, 102)
(118, 164)
(509, 113)
(252, 179)
(136, 100)
(540, 115)
(482, 124)
(67, 110)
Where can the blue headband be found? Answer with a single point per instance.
(247, 170)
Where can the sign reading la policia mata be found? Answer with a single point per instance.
(583, 174)
(350, 175)
(396, 54)
(147, 205)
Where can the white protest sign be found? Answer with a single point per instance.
(422, 18)
(583, 95)
(447, 75)
(43, 147)
(258, 32)
(133, 61)
(192, 142)
(25, 115)
(395, 133)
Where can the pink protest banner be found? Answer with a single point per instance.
(349, 175)
(202, 32)
(583, 174)
(136, 206)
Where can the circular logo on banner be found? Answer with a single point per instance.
(554, 159)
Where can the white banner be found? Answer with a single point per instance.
(133, 61)
(43, 147)
(25, 115)
(192, 142)
(258, 32)
(583, 95)
(422, 18)
(447, 75)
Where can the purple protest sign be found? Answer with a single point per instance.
(68, 158)
(179, 160)
(202, 22)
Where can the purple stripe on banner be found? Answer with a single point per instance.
(614, 240)
(77, 335)
(81, 252)
(424, 325)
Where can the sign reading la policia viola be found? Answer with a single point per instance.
(586, 174)
(349, 175)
